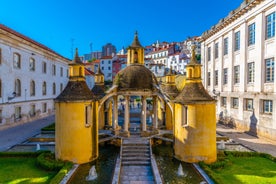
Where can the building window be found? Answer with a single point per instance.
(1, 116)
(237, 74)
(251, 72)
(32, 88)
(53, 69)
(184, 115)
(0, 88)
(32, 64)
(102, 68)
(17, 114)
(209, 79)
(44, 88)
(44, 107)
(16, 60)
(269, 70)
(32, 110)
(17, 87)
(61, 71)
(216, 77)
(251, 34)
(216, 50)
(209, 54)
(248, 104)
(225, 46)
(267, 106)
(88, 117)
(270, 25)
(225, 75)
(0, 58)
(235, 103)
(109, 61)
(44, 67)
(237, 41)
(109, 68)
(223, 101)
(54, 88)
(61, 87)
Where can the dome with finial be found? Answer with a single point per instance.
(135, 76)
(99, 87)
(193, 91)
(76, 89)
(169, 86)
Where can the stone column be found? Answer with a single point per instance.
(126, 122)
(155, 118)
(115, 112)
(144, 113)
(109, 118)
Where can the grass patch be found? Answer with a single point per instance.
(242, 167)
(32, 167)
(14, 170)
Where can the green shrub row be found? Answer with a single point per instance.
(22, 154)
(47, 161)
(50, 127)
(62, 172)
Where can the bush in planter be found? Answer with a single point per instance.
(47, 161)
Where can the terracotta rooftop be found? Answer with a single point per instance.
(88, 72)
(106, 57)
(9, 30)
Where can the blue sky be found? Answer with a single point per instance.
(55, 23)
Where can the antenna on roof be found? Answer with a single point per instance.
(72, 47)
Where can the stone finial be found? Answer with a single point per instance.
(193, 59)
(77, 58)
(136, 42)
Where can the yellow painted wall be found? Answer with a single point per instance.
(75, 141)
(169, 118)
(196, 141)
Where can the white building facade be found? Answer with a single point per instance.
(31, 76)
(106, 67)
(238, 67)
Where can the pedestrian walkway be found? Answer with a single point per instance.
(259, 144)
(10, 136)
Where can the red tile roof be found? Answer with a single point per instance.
(7, 29)
(106, 57)
(88, 72)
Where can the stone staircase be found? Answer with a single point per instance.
(136, 161)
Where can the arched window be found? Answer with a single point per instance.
(0, 89)
(16, 60)
(0, 58)
(44, 88)
(54, 88)
(17, 87)
(32, 64)
(32, 88)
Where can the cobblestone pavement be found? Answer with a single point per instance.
(259, 144)
(10, 136)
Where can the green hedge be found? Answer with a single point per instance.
(47, 161)
(62, 172)
(50, 127)
(22, 154)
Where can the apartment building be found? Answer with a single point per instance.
(31, 76)
(238, 57)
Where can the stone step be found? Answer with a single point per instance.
(135, 163)
(130, 154)
(136, 146)
(126, 151)
(135, 159)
